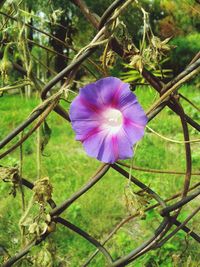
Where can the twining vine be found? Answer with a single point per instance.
(169, 96)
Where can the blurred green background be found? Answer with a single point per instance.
(64, 160)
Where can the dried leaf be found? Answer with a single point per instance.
(161, 46)
(137, 62)
(43, 190)
(9, 174)
(33, 228)
(43, 259)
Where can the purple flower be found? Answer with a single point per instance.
(107, 119)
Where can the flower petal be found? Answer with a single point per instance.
(93, 114)
(135, 113)
(133, 132)
(126, 97)
(108, 89)
(90, 94)
(93, 143)
(108, 151)
(82, 110)
(85, 128)
(125, 149)
(107, 147)
(135, 121)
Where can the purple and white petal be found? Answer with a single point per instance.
(107, 147)
(107, 119)
(135, 113)
(84, 128)
(124, 144)
(93, 143)
(108, 89)
(82, 110)
(125, 97)
(90, 93)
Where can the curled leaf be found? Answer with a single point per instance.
(137, 62)
(42, 190)
(9, 174)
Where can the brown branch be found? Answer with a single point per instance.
(187, 150)
(190, 102)
(180, 203)
(144, 187)
(137, 168)
(95, 178)
(99, 173)
(129, 218)
(91, 17)
(31, 131)
(36, 29)
(180, 226)
(118, 48)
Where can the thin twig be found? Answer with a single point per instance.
(137, 168)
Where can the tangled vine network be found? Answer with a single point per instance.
(169, 97)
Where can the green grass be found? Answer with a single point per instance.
(98, 211)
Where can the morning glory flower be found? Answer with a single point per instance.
(107, 119)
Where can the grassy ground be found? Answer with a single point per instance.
(98, 211)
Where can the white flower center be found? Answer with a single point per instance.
(112, 119)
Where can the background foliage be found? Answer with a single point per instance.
(63, 160)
